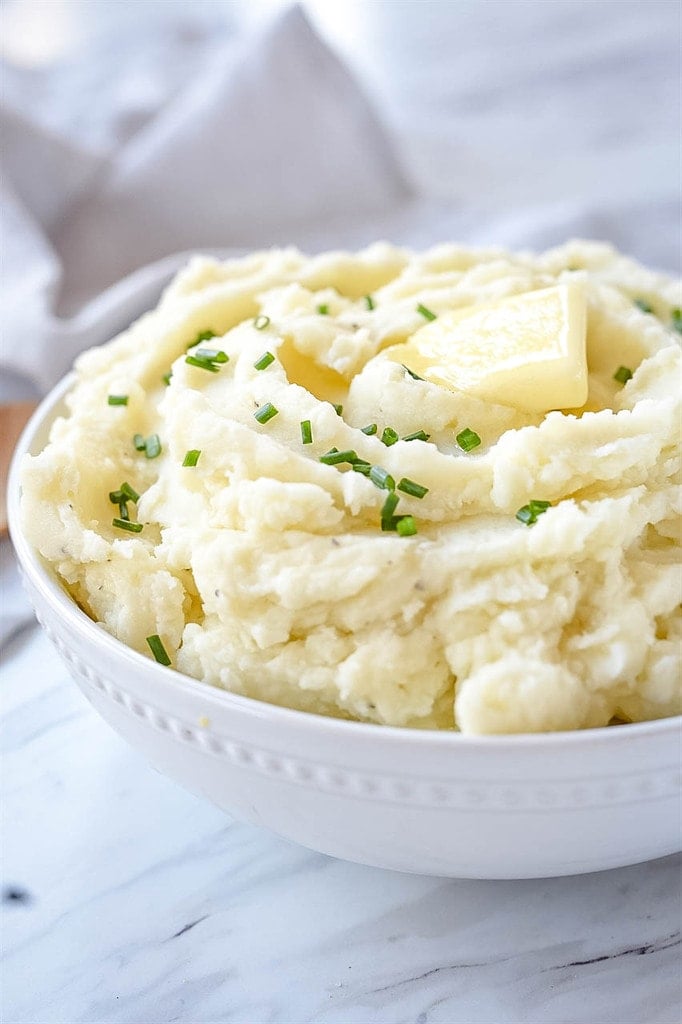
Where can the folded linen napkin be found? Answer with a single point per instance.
(273, 143)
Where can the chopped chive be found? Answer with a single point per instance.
(529, 513)
(406, 526)
(390, 524)
(152, 446)
(382, 478)
(370, 429)
(123, 524)
(418, 435)
(323, 309)
(338, 409)
(389, 507)
(360, 466)
(413, 375)
(203, 364)
(623, 374)
(129, 493)
(139, 442)
(265, 413)
(212, 355)
(468, 440)
(202, 336)
(117, 400)
(166, 378)
(334, 458)
(306, 432)
(389, 436)
(264, 361)
(122, 497)
(645, 306)
(261, 322)
(158, 650)
(410, 487)
(192, 457)
(676, 320)
(425, 312)
(369, 302)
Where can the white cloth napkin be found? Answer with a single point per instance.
(272, 143)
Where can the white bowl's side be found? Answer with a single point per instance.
(441, 804)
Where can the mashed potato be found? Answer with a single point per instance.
(265, 571)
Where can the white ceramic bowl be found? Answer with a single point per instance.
(428, 802)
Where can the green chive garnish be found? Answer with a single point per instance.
(389, 436)
(203, 364)
(387, 510)
(645, 306)
(468, 439)
(334, 458)
(406, 526)
(338, 409)
(208, 359)
(212, 355)
(124, 493)
(413, 375)
(418, 435)
(152, 446)
(261, 322)
(266, 412)
(139, 442)
(202, 336)
(323, 309)
(425, 312)
(192, 457)
(676, 320)
(382, 478)
(529, 513)
(410, 487)
(623, 374)
(306, 432)
(264, 361)
(360, 466)
(369, 302)
(167, 378)
(123, 524)
(158, 650)
(129, 493)
(370, 429)
(117, 399)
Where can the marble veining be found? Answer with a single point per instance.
(128, 901)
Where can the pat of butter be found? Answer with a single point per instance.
(527, 351)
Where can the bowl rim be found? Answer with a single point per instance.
(45, 581)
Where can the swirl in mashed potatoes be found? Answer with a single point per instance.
(265, 571)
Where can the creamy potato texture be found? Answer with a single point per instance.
(265, 571)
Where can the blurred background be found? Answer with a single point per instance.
(133, 129)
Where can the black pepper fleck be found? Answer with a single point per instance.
(15, 894)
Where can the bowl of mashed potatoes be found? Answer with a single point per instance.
(382, 550)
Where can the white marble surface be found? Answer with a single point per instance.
(144, 905)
